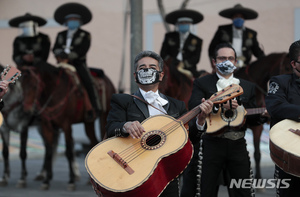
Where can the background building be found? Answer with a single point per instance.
(278, 25)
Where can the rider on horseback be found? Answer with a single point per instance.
(243, 39)
(75, 42)
(31, 46)
(182, 47)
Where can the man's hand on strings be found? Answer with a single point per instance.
(135, 129)
(234, 104)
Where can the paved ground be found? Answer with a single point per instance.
(60, 177)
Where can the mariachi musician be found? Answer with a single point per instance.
(283, 102)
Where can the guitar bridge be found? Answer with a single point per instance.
(120, 161)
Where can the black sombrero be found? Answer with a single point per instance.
(15, 22)
(238, 8)
(172, 17)
(72, 8)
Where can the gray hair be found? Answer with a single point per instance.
(149, 54)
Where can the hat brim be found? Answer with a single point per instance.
(15, 22)
(72, 8)
(246, 12)
(172, 17)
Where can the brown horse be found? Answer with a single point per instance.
(59, 102)
(175, 83)
(105, 89)
(178, 86)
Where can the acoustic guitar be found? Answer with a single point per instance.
(10, 74)
(285, 146)
(217, 122)
(143, 167)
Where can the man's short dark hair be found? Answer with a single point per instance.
(220, 46)
(294, 50)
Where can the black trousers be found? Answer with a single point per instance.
(86, 79)
(289, 185)
(231, 154)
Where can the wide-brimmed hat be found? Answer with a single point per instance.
(27, 17)
(172, 17)
(239, 9)
(75, 9)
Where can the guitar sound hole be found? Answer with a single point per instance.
(229, 114)
(153, 140)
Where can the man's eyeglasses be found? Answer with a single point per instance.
(223, 58)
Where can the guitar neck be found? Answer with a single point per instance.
(225, 94)
(190, 115)
(253, 111)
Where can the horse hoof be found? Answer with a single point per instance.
(71, 187)
(3, 182)
(39, 177)
(21, 184)
(44, 186)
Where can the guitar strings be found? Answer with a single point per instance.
(169, 127)
(136, 149)
(142, 150)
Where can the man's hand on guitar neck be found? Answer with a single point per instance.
(206, 107)
(3, 88)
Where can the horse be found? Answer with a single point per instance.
(259, 72)
(175, 84)
(106, 89)
(14, 117)
(17, 120)
(60, 102)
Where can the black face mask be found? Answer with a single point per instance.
(147, 76)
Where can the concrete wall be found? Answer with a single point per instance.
(276, 27)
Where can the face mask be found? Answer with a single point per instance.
(73, 24)
(226, 67)
(183, 28)
(147, 76)
(238, 22)
(29, 29)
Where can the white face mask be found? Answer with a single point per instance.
(29, 29)
(226, 67)
(147, 76)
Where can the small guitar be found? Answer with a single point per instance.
(10, 74)
(285, 146)
(216, 122)
(143, 167)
